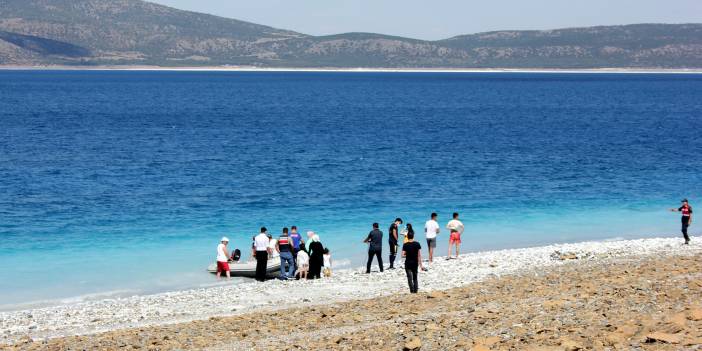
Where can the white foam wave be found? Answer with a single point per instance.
(341, 263)
(104, 295)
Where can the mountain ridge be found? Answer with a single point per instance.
(135, 32)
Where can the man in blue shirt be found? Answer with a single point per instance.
(296, 240)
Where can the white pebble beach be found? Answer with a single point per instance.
(348, 284)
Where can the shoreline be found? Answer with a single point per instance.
(88, 318)
(611, 70)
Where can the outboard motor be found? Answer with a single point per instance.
(236, 255)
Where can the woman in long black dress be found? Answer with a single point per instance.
(316, 250)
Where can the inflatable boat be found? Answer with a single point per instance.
(248, 269)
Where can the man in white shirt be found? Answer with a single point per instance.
(455, 227)
(431, 230)
(222, 257)
(262, 250)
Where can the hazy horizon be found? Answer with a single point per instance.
(433, 21)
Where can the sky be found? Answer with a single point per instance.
(440, 19)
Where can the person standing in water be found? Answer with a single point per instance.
(375, 247)
(222, 257)
(455, 227)
(431, 230)
(686, 211)
(262, 250)
(412, 252)
(393, 235)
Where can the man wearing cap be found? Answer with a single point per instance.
(222, 257)
(686, 211)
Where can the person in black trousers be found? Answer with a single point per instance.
(412, 252)
(375, 247)
(261, 252)
(686, 210)
(316, 256)
(393, 234)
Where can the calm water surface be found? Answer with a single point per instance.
(116, 183)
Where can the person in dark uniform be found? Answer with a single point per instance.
(393, 234)
(375, 247)
(686, 211)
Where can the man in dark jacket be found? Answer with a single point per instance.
(375, 247)
(393, 234)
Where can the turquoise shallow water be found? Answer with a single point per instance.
(117, 183)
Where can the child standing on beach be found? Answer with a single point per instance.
(303, 261)
(327, 263)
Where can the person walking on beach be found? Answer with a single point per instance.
(222, 257)
(316, 251)
(393, 235)
(455, 227)
(686, 211)
(262, 250)
(285, 250)
(412, 252)
(431, 230)
(375, 247)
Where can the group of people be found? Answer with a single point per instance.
(306, 262)
(411, 249)
(297, 260)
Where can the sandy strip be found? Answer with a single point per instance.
(235, 299)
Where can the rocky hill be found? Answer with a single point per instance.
(134, 32)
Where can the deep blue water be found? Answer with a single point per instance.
(124, 181)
